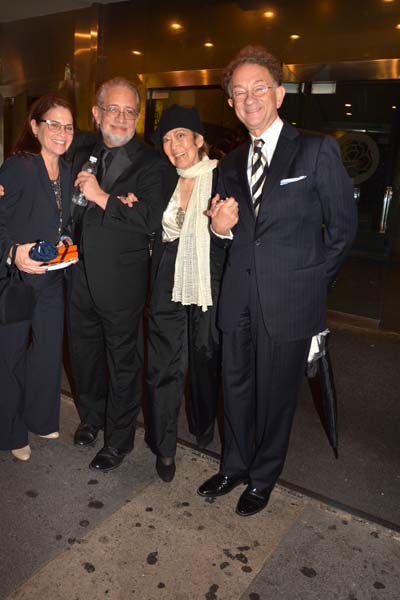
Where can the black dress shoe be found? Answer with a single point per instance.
(219, 485)
(85, 435)
(107, 458)
(252, 501)
(165, 471)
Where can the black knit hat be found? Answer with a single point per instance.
(177, 116)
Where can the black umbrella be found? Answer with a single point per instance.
(322, 386)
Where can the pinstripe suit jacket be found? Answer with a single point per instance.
(294, 258)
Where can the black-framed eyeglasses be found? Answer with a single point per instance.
(55, 126)
(115, 111)
(259, 91)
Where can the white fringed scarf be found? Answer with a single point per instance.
(192, 283)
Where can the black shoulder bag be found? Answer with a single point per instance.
(17, 298)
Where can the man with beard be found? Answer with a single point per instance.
(107, 288)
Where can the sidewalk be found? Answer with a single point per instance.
(70, 534)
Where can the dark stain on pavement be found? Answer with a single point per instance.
(308, 572)
(32, 493)
(378, 585)
(84, 523)
(92, 482)
(152, 558)
(89, 567)
(95, 504)
(212, 592)
(247, 569)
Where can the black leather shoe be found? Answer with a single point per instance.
(165, 471)
(107, 458)
(252, 501)
(85, 435)
(219, 485)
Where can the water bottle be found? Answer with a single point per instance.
(90, 166)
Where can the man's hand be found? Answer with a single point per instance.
(89, 185)
(26, 264)
(224, 214)
(129, 199)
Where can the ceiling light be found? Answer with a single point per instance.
(394, 107)
(137, 52)
(398, 26)
(348, 104)
(176, 26)
(294, 36)
(208, 44)
(349, 114)
(269, 14)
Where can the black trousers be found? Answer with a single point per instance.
(106, 350)
(30, 368)
(261, 379)
(182, 340)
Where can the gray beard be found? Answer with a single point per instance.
(116, 141)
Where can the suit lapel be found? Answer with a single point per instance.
(285, 151)
(46, 185)
(123, 160)
(241, 166)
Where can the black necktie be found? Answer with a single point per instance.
(105, 161)
(259, 170)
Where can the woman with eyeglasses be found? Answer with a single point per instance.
(35, 206)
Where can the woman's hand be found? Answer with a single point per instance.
(26, 264)
(224, 214)
(129, 199)
(91, 189)
(1, 191)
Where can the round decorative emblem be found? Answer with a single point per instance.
(360, 155)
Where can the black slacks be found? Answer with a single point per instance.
(30, 367)
(106, 348)
(260, 379)
(182, 341)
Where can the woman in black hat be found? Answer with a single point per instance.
(187, 265)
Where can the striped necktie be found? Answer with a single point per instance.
(259, 170)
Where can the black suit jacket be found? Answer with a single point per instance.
(114, 242)
(294, 264)
(28, 211)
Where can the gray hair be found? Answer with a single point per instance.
(255, 55)
(117, 82)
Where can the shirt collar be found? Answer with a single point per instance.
(270, 135)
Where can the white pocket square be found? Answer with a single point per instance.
(292, 180)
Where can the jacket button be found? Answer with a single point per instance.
(257, 242)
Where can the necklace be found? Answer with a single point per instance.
(180, 217)
(56, 183)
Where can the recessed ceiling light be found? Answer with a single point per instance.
(394, 107)
(294, 123)
(294, 36)
(137, 52)
(269, 14)
(208, 44)
(176, 26)
(349, 114)
(348, 104)
(398, 26)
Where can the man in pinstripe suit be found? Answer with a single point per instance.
(288, 186)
